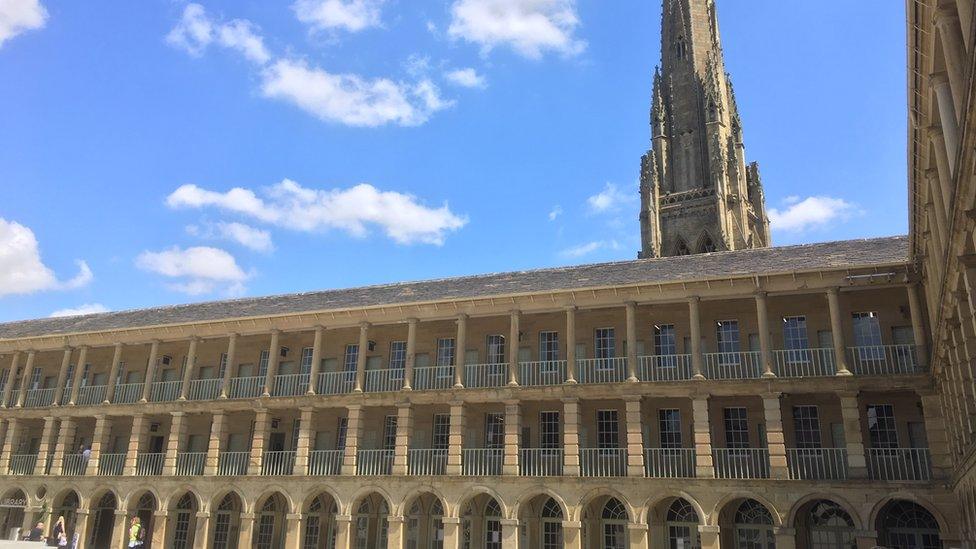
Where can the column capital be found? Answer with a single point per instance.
(848, 394)
(344, 518)
(568, 400)
(571, 308)
(274, 331)
(393, 519)
(944, 15)
(247, 516)
(161, 513)
(833, 290)
(633, 526)
(177, 414)
(413, 320)
(121, 512)
(630, 303)
(771, 395)
(294, 516)
(451, 520)
(82, 347)
(937, 79)
(574, 524)
(708, 528)
(694, 299)
(203, 514)
(509, 522)
(66, 348)
(761, 294)
(633, 398)
(462, 316)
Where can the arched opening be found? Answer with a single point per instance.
(907, 525)
(706, 244)
(747, 524)
(605, 524)
(481, 523)
(681, 523)
(67, 509)
(425, 523)
(227, 522)
(541, 521)
(680, 248)
(270, 523)
(320, 531)
(102, 521)
(371, 522)
(823, 524)
(183, 515)
(12, 511)
(143, 509)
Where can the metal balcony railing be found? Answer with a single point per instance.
(204, 389)
(325, 462)
(741, 462)
(289, 385)
(900, 464)
(233, 463)
(374, 462)
(190, 463)
(74, 465)
(91, 394)
(601, 370)
(165, 391)
(383, 381)
(149, 464)
(669, 462)
(603, 462)
(540, 462)
(335, 383)
(127, 393)
(736, 365)
(481, 462)
(804, 362)
(542, 372)
(426, 461)
(485, 375)
(245, 387)
(880, 360)
(111, 465)
(278, 463)
(433, 377)
(23, 464)
(664, 368)
(37, 398)
(817, 463)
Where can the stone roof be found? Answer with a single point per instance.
(762, 261)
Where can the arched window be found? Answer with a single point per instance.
(493, 525)
(269, 523)
(552, 525)
(908, 525)
(226, 522)
(369, 521)
(682, 524)
(614, 520)
(320, 523)
(706, 244)
(362, 524)
(830, 526)
(680, 248)
(181, 521)
(680, 48)
(753, 526)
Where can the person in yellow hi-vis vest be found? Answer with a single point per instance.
(135, 533)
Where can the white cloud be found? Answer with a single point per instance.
(351, 99)
(530, 27)
(17, 16)
(287, 204)
(196, 270)
(556, 211)
(86, 309)
(21, 268)
(350, 15)
(589, 247)
(242, 36)
(609, 199)
(196, 31)
(810, 213)
(466, 78)
(250, 237)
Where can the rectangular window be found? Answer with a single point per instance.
(306, 364)
(223, 366)
(736, 428)
(442, 431)
(398, 358)
(35, 380)
(806, 426)
(607, 433)
(351, 357)
(795, 333)
(548, 346)
(867, 330)
(263, 363)
(495, 346)
(670, 423)
(445, 351)
(727, 335)
(389, 432)
(341, 429)
(494, 430)
(881, 426)
(665, 343)
(605, 345)
(549, 430)
(84, 376)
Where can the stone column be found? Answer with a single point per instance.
(120, 534)
(13, 432)
(139, 427)
(635, 438)
(304, 443)
(44, 449)
(571, 438)
(313, 376)
(837, 332)
(710, 536)
(513, 347)
(113, 374)
(293, 531)
(954, 50)
(394, 531)
(947, 117)
(62, 376)
(361, 356)
(513, 424)
(510, 533)
(103, 427)
(571, 344)
(460, 344)
(631, 315)
(637, 534)
(261, 425)
(785, 537)
(403, 429)
(572, 534)
(160, 526)
(411, 354)
(775, 441)
(191, 362)
(918, 325)
(229, 367)
(217, 427)
(25, 379)
(79, 374)
(765, 349)
(8, 387)
(354, 427)
(935, 432)
(200, 530)
(65, 437)
(866, 539)
(177, 431)
(965, 10)
(150, 370)
(941, 207)
(942, 164)
(703, 438)
(851, 416)
(694, 318)
(452, 532)
(274, 356)
(455, 442)
(247, 530)
(342, 526)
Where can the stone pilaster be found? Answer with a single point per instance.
(113, 374)
(513, 423)
(343, 525)
(935, 431)
(637, 535)
(775, 441)
(361, 357)
(139, 427)
(304, 443)
(572, 534)
(217, 428)
(918, 324)
(403, 429)
(694, 316)
(229, 367)
(837, 332)
(354, 427)
(81, 525)
(25, 379)
(703, 438)
(313, 376)
(510, 533)
(710, 536)
(9, 444)
(247, 530)
(851, 416)
(455, 440)
(261, 425)
(513, 347)
(177, 431)
(274, 357)
(201, 530)
(571, 438)
(8, 387)
(150, 371)
(191, 366)
(103, 427)
(160, 528)
(44, 448)
(293, 537)
(452, 532)
(785, 537)
(635, 438)
(79, 374)
(65, 437)
(120, 529)
(571, 344)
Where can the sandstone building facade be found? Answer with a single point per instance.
(811, 397)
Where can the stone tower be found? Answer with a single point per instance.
(697, 193)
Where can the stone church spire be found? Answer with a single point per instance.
(697, 193)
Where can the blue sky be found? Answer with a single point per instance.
(160, 152)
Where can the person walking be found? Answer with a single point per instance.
(135, 533)
(58, 530)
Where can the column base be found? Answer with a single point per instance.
(513, 383)
(632, 379)
(844, 372)
(459, 386)
(768, 375)
(406, 388)
(309, 393)
(571, 381)
(698, 377)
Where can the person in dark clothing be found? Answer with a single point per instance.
(36, 533)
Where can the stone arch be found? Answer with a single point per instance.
(181, 530)
(12, 516)
(270, 511)
(171, 499)
(403, 507)
(134, 496)
(319, 510)
(653, 502)
(102, 510)
(732, 497)
(255, 505)
(944, 527)
(791, 515)
(680, 247)
(58, 496)
(316, 491)
(224, 522)
(367, 491)
(589, 497)
(221, 494)
(531, 495)
(477, 491)
(705, 243)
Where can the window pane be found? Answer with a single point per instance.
(605, 343)
(736, 428)
(881, 426)
(670, 424)
(548, 346)
(606, 429)
(806, 425)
